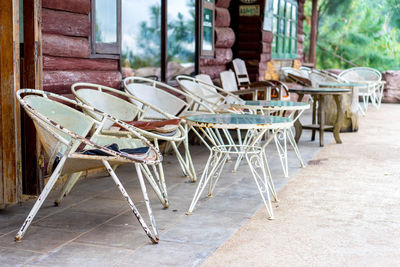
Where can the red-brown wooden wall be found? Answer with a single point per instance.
(66, 48)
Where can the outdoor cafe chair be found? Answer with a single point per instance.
(167, 128)
(64, 133)
(372, 78)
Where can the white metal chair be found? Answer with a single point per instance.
(159, 101)
(110, 101)
(62, 130)
(369, 76)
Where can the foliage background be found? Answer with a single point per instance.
(364, 32)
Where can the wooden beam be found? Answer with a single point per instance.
(10, 190)
(65, 23)
(32, 175)
(60, 45)
(76, 6)
(60, 81)
(314, 31)
(65, 63)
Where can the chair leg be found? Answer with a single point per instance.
(282, 151)
(295, 147)
(186, 165)
(154, 181)
(53, 179)
(67, 187)
(153, 237)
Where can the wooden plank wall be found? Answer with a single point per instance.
(10, 175)
(66, 48)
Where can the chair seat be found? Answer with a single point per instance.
(160, 126)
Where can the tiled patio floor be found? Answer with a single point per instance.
(94, 226)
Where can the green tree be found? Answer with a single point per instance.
(363, 32)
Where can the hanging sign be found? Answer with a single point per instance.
(250, 10)
(248, 1)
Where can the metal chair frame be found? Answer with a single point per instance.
(67, 141)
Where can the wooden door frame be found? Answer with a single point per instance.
(10, 134)
(32, 160)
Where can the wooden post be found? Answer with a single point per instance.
(32, 78)
(10, 168)
(314, 31)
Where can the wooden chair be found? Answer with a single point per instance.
(62, 130)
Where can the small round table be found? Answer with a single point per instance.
(319, 95)
(217, 138)
(279, 108)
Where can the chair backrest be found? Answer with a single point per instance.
(240, 69)
(279, 90)
(157, 94)
(228, 81)
(61, 127)
(286, 70)
(318, 77)
(95, 96)
(204, 77)
(212, 97)
(61, 116)
(361, 74)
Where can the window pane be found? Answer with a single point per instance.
(275, 25)
(282, 8)
(294, 26)
(207, 29)
(276, 2)
(282, 26)
(141, 36)
(181, 36)
(294, 12)
(106, 21)
(287, 33)
(293, 47)
(287, 45)
(288, 9)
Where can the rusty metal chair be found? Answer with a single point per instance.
(64, 133)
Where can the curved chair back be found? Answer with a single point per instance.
(62, 116)
(228, 81)
(318, 77)
(208, 94)
(361, 74)
(61, 127)
(157, 94)
(95, 95)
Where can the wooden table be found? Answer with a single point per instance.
(318, 95)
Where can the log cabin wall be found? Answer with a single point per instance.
(67, 51)
(224, 40)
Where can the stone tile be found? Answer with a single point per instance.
(168, 254)
(236, 204)
(199, 234)
(102, 206)
(38, 239)
(15, 257)
(116, 236)
(206, 217)
(74, 221)
(75, 254)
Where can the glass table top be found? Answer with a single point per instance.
(320, 90)
(237, 119)
(333, 84)
(272, 103)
